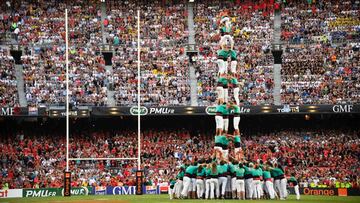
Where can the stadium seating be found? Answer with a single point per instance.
(320, 21)
(44, 76)
(8, 82)
(320, 74)
(320, 61)
(37, 157)
(324, 34)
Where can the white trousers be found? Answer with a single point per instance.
(233, 184)
(296, 188)
(186, 186)
(277, 186)
(269, 186)
(280, 186)
(207, 188)
(171, 191)
(283, 190)
(226, 124)
(193, 185)
(200, 187)
(262, 184)
(240, 185)
(178, 188)
(257, 189)
(214, 187)
(249, 188)
(219, 122)
(228, 184)
(222, 184)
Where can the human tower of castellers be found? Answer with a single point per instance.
(221, 175)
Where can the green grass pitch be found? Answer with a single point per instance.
(165, 199)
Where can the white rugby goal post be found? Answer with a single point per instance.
(67, 174)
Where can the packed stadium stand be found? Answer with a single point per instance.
(8, 88)
(320, 66)
(34, 154)
(306, 28)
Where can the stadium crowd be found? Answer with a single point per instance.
(8, 82)
(164, 66)
(321, 74)
(32, 159)
(320, 21)
(321, 61)
(316, 29)
(44, 76)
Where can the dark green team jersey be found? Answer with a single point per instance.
(231, 168)
(183, 167)
(222, 169)
(237, 139)
(222, 109)
(172, 184)
(266, 174)
(234, 81)
(191, 170)
(223, 81)
(202, 173)
(275, 172)
(221, 139)
(293, 180)
(215, 173)
(225, 29)
(207, 172)
(239, 171)
(248, 170)
(235, 109)
(180, 175)
(257, 172)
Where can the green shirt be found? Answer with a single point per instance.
(191, 170)
(257, 172)
(226, 29)
(180, 175)
(293, 180)
(222, 109)
(223, 80)
(276, 172)
(207, 172)
(239, 171)
(237, 139)
(235, 109)
(183, 167)
(266, 174)
(222, 168)
(221, 139)
(213, 174)
(231, 168)
(248, 170)
(172, 184)
(202, 173)
(234, 81)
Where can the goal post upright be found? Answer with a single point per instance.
(138, 89)
(67, 173)
(139, 172)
